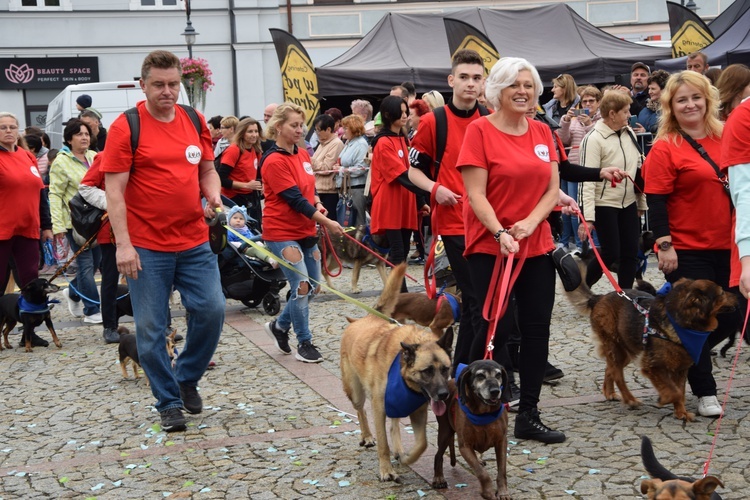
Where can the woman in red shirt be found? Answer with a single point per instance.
(292, 208)
(394, 204)
(238, 171)
(689, 210)
(507, 162)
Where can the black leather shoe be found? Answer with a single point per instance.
(551, 372)
(529, 426)
(36, 341)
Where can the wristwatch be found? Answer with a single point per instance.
(665, 245)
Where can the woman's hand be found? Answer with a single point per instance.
(334, 227)
(255, 185)
(508, 243)
(612, 174)
(47, 235)
(667, 260)
(584, 119)
(568, 204)
(568, 116)
(445, 196)
(582, 234)
(639, 129)
(522, 229)
(424, 211)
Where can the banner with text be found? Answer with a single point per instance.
(297, 74)
(689, 32)
(464, 36)
(47, 72)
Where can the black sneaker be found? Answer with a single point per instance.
(529, 426)
(515, 397)
(191, 400)
(36, 341)
(111, 336)
(308, 353)
(172, 420)
(280, 336)
(551, 372)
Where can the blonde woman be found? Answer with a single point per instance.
(238, 169)
(564, 97)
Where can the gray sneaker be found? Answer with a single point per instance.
(111, 336)
(280, 336)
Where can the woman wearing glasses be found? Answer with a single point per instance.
(21, 189)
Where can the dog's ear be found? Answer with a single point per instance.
(506, 395)
(446, 341)
(463, 382)
(409, 352)
(704, 487)
(649, 486)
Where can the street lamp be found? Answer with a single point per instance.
(690, 5)
(190, 35)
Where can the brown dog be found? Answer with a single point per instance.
(437, 314)
(618, 327)
(128, 352)
(349, 252)
(420, 367)
(667, 486)
(477, 414)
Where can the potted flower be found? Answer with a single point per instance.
(196, 76)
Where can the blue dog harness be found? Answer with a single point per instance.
(26, 307)
(692, 340)
(482, 418)
(452, 301)
(400, 400)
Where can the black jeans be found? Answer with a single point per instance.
(535, 296)
(711, 265)
(110, 276)
(618, 230)
(398, 239)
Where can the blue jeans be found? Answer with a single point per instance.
(195, 274)
(570, 222)
(296, 312)
(83, 286)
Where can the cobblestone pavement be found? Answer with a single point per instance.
(273, 427)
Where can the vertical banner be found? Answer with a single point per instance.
(689, 32)
(297, 74)
(464, 36)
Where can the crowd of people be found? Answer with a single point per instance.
(491, 171)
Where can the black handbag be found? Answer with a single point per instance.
(85, 217)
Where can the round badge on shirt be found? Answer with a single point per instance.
(34, 171)
(308, 167)
(542, 152)
(193, 154)
(400, 153)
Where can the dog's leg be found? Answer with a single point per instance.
(124, 368)
(396, 445)
(356, 394)
(616, 363)
(355, 275)
(27, 331)
(501, 455)
(8, 327)
(419, 424)
(445, 439)
(671, 389)
(384, 453)
(380, 266)
(476, 465)
(51, 328)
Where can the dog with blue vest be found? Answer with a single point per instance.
(403, 369)
(31, 308)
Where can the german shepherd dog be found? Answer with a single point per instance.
(349, 252)
(370, 349)
(482, 387)
(35, 295)
(665, 485)
(618, 327)
(128, 352)
(424, 311)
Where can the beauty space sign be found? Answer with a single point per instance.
(47, 72)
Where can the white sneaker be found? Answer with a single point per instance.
(75, 308)
(708, 406)
(94, 319)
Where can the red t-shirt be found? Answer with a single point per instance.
(163, 195)
(519, 169)
(244, 167)
(20, 190)
(280, 172)
(698, 206)
(393, 206)
(735, 139)
(448, 219)
(95, 177)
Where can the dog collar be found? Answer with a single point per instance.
(400, 400)
(367, 240)
(692, 340)
(476, 419)
(453, 302)
(26, 307)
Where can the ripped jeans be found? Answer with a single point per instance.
(307, 261)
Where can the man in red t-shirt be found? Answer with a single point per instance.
(154, 205)
(447, 190)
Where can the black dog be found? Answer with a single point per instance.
(30, 308)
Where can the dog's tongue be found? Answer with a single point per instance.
(438, 407)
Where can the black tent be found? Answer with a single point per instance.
(726, 19)
(730, 48)
(414, 47)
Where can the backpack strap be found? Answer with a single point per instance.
(441, 136)
(134, 122)
(193, 117)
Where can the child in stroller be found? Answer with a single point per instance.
(238, 219)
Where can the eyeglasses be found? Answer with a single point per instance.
(12, 128)
(588, 101)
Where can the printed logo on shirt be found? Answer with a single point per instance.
(308, 167)
(542, 152)
(34, 171)
(193, 154)
(400, 153)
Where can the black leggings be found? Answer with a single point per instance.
(399, 240)
(535, 297)
(711, 265)
(618, 230)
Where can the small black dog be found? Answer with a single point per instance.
(125, 308)
(30, 308)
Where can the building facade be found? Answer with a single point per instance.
(106, 40)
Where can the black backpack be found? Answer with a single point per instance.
(134, 122)
(441, 133)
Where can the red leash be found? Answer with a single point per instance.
(327, 243)
(606, 271)
(501, 289)
(726, 393)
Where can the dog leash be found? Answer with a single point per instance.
(282, 262)
(502, 289)
(726, 393)
(61, 269)
(328, 244)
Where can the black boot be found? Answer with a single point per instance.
(36, 341)
(529, 426)
(551, 372)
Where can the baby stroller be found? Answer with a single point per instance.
(247, 278)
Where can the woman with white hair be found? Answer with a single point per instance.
(509, 167)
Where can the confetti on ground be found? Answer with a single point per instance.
(570, 492)
(188, 483)
(461, 485)
(526, 452)
(97, 487)
(594, 471)
(117, 483)
(290, 452)
(63, 480)
(529, 469)
(421, 493)
(271, 430)
(272, 450)
(344, 483)
(205, 490)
